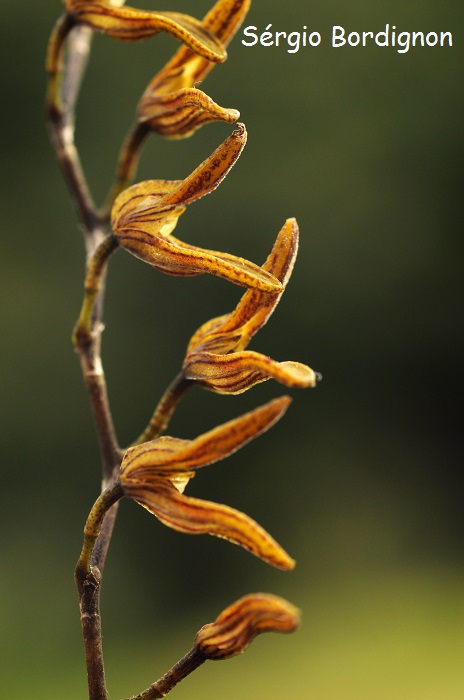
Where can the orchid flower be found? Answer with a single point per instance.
(155, 474)
(144, 215)
(172, 104)
(216, 357)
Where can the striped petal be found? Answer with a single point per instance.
(171, 104)
(239, 371)
(186, 68)
(130, 24)
(145, 214)
(212, 171)
(179, 114)
(174, 257)
(193, 516)
(139, 198)
(169, 456)
(152, 197)
(232, 332)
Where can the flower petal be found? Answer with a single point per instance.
(236, 372)
(168, 456)
(254, 309)
(236, 627)
(166, 105)
(232, 332)
(140, 197)
(146, 201)
(130, 24)
(193, 516)
(212, 171)
(174, 257)
(187, 68)
(145, 214)
(179, 114)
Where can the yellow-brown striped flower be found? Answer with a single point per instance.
(216, 355)
(131, 24)
(144, 215)
(236, 627)
(155, 474)
(172, 104)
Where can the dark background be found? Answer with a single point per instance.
(361, 481)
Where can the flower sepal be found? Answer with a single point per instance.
(131, 24)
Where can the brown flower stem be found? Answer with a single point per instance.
(183, 668)
(100, 550)
(87, 340)
(94, 524)
(55, 61)
(62, 93)
(89, 601)
(94, 378)
(77, 56)
(65, 77)
(88, 579)
(166, 407)
(94, 281)
(67, 57)
(127, 164)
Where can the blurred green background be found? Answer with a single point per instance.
(361, 481)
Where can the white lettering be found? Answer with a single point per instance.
(388, 37)
(354, 39)
(382, 36)
(293, 40)
(404, 40)
(338, 34)
(248, 31)
(446, 35)
(266, 37)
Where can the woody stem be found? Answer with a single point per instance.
(88, 580)
(67, 56)
(183, 668)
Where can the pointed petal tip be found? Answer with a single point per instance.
(286, 563)
(292, 221)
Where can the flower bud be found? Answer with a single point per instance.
(237, 626)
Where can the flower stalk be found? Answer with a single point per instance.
(88, 580)
(165, 408)
(140, 218)
(94, 524)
